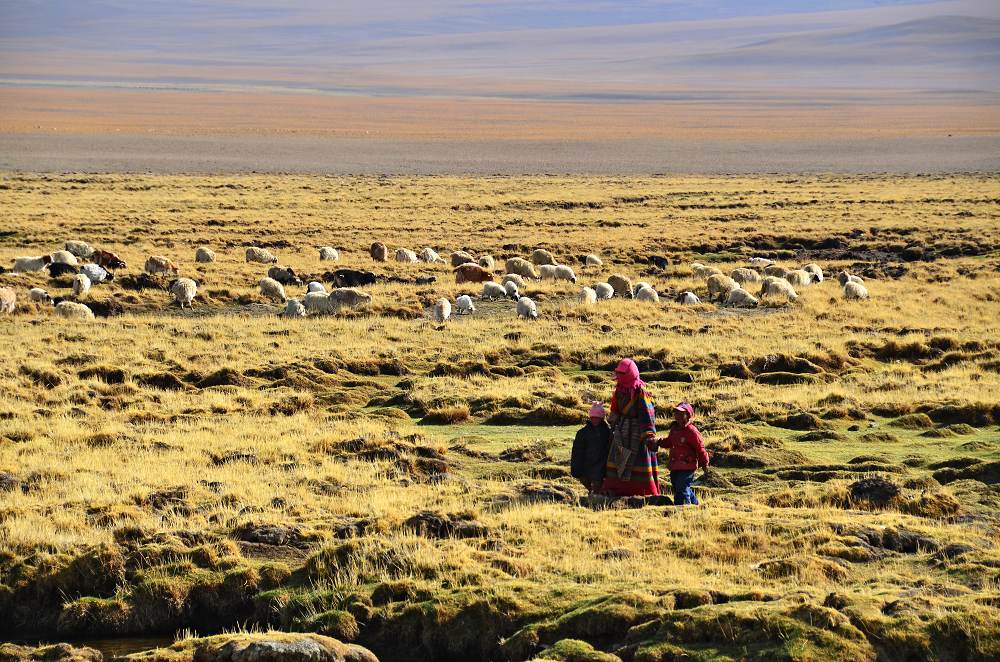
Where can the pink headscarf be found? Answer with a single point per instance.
(627, 375)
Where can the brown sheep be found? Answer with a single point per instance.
(471, 273)
(108, 260)
(379, 252)
(157, 264)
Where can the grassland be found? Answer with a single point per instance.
(385, 480)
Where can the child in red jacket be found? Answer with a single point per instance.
(687, 453)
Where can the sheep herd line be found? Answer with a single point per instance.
(89, 266)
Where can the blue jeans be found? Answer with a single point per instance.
(681, 481)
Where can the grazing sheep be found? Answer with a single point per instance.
(80, 249)
(27, 265)
(720, 286)
(260, 255)
(328, 254)
(510, 287)
(294, 308)
(772, 286)
(430, 255)
(740, 298)
(701, 271)
(659, 261)
(405, 255)
(814, 269)
(513, 278)
(540, 256)
(604, 291)
(315, 286)
(487, 262)
(273, 290)
(547, 271)
(621, 285)
(350, 297)
(8, 300)
(463, 305)
(284, 275)
(425, 280)
(493, 290)
(184, 291)
(641, 284)
(72, 310)
(801, 278)
(844, 278)
(591, 260)
(587, 295)
(760, 262)
(108, 260)
(471, 273)
(379, 252)
(563, 272)
(60, 269)
(521, 267)
(96, 273)
(353, 278)
(317, 301)
(687, 298)
(855, 290)
(743, 275)
(81, 285)
(526, 308)
(65, 257)
(157, 264)
(39, 295)
(459, 258)
(204, 255)
(442, 310)
(647, 294)
(776, 270)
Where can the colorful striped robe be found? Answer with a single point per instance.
(643, 479)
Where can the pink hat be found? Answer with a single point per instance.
(597, 409)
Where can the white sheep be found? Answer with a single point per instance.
(349, 297)
(442, 310)
(273, 290)
(315, 286)
(317, 302)
(855, 290)
(430, 255)
(587, 295)
(65, 257)
(405, 255)
(39, 295)
(513, 278)
(204, 255)
(81, 285)
(719, 286)
(564, 272)
(592, 260)
(463, 305)
(772, 286)
(621, 285)
(512, 290)
(80, 249)
(604, 291)
(760, 262)
(184, 291)
(487, 262)
(776, 270)
(844, 278)
(493, 290)
(261, 255)
(8, 300)
(815, 269)
(540, 256)
(521, 267)
(459, 258)
(328, 254)
(647, 294)
(702, 271)
(294, 308)
(740, 298)
(27, 265)
(527, 309)
(801, 278)
(96, 273)
(687, 298)
(547, 271)
(74, 311)
(743, 275)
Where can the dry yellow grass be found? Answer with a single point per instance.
(225, 466)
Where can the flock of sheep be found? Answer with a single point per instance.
(89, 266)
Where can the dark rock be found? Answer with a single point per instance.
(435, 525)
(876, 490)
(270, 534)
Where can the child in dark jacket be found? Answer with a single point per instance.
(590, 450)
(687, 453)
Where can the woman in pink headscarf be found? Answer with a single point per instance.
(631, 469)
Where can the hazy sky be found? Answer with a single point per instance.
(604, 49)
